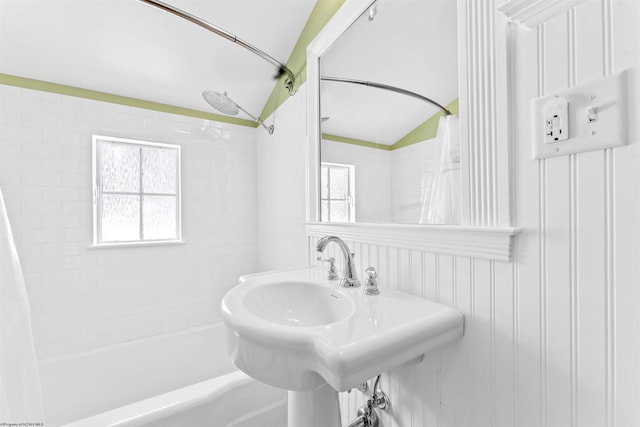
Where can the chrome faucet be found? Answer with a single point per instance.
(349, 276)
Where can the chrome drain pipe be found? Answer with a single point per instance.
(367, 417)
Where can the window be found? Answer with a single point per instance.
(136, 187)
(337, 185)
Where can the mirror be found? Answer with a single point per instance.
(383, 158)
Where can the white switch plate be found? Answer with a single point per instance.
(606, 97)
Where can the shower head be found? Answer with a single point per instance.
(224, 104)
(221, 102)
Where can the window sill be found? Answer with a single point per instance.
(136, 244)
(494, 243)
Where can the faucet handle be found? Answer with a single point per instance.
(332, 274)
(371, 272)
(371, 285)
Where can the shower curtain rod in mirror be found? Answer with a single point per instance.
(390, 88)
(282, 69)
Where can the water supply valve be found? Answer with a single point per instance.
(379, 399)
(369, 415)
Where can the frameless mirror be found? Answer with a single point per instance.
(386, 155)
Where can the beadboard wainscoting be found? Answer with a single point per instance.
(576, 271)
(469, 382)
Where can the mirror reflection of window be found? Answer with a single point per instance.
(337, 183)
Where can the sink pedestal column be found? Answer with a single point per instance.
(318, 408)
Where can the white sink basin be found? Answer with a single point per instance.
(297, 304)
(295, 330)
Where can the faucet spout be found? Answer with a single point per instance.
(349, 275)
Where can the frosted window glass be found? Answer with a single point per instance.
(339, 182)
(339, 212)
(324, 211)
(137, 189)
(324, 183)
(159, 170)
(119, 168)
(159, 217)
(120, 217)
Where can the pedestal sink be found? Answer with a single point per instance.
(296, 330)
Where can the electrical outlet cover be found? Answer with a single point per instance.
(598, 117)
(555, 114)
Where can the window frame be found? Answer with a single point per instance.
(351, 202)
(97, 193)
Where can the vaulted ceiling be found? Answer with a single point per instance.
(408, 44)
(128, 48)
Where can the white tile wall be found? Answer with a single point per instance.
(83, 298)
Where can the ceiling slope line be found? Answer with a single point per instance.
(44, 86)
(353, 141)
(321, 13)
(427, 129)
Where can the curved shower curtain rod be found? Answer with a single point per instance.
(390, 88)
(282, 69)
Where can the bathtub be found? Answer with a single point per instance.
(177, 379)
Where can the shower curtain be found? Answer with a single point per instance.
(441, 201)
(20, 390)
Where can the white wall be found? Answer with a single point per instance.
(83, 298)
(373, 177)
(551, 339)
(281, 186)
(412, 172)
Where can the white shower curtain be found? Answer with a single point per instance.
(441, 202)
(20, 390)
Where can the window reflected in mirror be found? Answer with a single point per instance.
(337, 195)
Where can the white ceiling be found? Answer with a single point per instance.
(129, 48)
(411, 44)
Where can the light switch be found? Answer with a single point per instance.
(590, 116)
